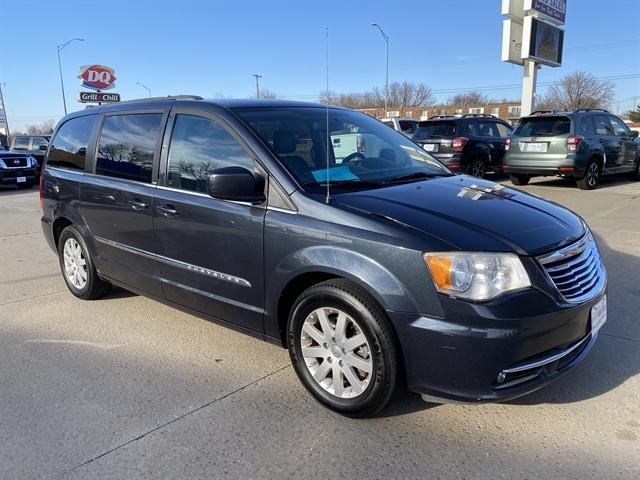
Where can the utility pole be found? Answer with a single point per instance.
(386, 85)
(258, 77)
(4, 112)
(60, 47)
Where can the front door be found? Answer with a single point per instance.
(117, 201)
(609, 141)
(628, 146)
(210, 251)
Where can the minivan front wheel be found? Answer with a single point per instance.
(591, 176)
(77, 266)
(342, 348)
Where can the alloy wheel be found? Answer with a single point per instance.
(478, 169)
(75, 265)
(593, 172)
(336, 352)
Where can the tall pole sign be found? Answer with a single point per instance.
(532, 36)
(98, 78)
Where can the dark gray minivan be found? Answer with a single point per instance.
(378, 272)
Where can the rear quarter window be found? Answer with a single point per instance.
(69, 145)
(543, 127)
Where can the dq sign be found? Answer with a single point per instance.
(97, 77)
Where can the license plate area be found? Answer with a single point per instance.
(539, 147)
(598, 315)
(21, 179)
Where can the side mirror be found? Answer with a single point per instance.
(634, 134)
(236, 184)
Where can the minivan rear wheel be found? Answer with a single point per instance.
(519, 179)
(591, 176)
(343, 349)
(78, 269)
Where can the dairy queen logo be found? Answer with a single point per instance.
(97, 77)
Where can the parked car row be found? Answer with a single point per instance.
(21, 164)
(583, 145)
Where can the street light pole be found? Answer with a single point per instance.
(145, 87)
(386, 85)
(258, 77)
(60, 47)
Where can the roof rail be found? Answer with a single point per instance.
(440, 116)
(168, 97)
(591, 110)
(543, 112)
(471, 115)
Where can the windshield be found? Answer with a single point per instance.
(363, 152)
(543, 127)
(434, 129)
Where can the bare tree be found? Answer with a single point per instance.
(401, 94)
(577, 90)
(44, 127)
(266, 93)
(472, 97)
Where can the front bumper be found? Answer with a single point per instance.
(493, 351)
(10, 176)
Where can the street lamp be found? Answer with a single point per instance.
(386, 88)
(145, 87)
(60, 47)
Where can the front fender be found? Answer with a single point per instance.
(362, 270)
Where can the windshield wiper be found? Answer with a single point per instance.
(346, 184)
(415, 176)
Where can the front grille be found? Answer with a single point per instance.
(15, 162)
(577, 270)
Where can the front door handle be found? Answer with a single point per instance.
(168, 210)
(137, 205)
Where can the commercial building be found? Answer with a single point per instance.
(507, 111)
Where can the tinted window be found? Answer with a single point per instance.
(503, 130)
(21, 143)
(488, 129)
(408, 127)
(127, 145)
(37, 142)
(602, 125)
(197, 146)
(435, 129)
(69, 146)
(619, 128)
(586, 125)
(543, 126)
(469, 127)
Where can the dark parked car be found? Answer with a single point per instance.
(583, 145)
(382, 271)
(17, 168)
(473, 144)
(36, 145)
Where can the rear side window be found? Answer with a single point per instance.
(543, 127)
(602, 125)
(198, 145)
(69, 146)
(586, 125)
(127, 146)
(488, 129)
(21, 143)
(435, 129)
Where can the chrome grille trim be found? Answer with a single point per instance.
(576, 271)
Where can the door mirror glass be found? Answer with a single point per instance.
(236, 184)
(634, 134)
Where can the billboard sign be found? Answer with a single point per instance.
(542, 42)
(98, 97)
(553, 9)
(97, 77)
(512, 41)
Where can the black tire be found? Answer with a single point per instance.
(591, 176)
(25, 186)
(385, 377)
(519, 179)
(94, 287)
(635, 175)
(478, 168)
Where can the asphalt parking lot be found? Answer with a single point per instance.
(125, 387)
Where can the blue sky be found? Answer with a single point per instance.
(212, 48)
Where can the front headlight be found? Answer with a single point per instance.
(476, 276)
(2, 164)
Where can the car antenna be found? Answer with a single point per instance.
(328, 197)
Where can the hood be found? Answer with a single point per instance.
(12, 154)
(472, 214)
